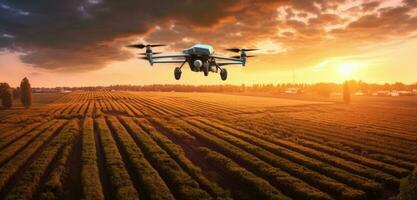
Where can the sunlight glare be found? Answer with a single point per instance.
(346, 69)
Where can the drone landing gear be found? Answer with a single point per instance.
(206, 70)
(223, 71)
(178, 72)
(223, 74)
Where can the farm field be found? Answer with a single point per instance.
(149, 145)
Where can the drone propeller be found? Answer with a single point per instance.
(246, 56)
(237, 50)
(144, 58)
(144, 54)
(141, 46)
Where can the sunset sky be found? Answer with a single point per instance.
(82, 42)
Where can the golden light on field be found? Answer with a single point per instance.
(154, 139)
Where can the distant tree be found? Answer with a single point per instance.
(6, 95)
(25, 93)
(346, 92)
(399, 86)
(386, 86)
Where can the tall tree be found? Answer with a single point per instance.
(25, 93)
(6, 95)
(346, 92)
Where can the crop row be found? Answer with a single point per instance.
(332, 134)
(182, 184)
(283, 148)
(153, 186)
(29, 181)
(8, 130)
(248, 180)
(299, 143)
(352, 135)
(173, 109)
(8, 169)
(285, 130)
(120, 180)
(371, 128)
(397, 125)
(206, 107)
(359, 148)
(288, 162)
(90, 175)
(19, 144)
(177, 153)
(54, 187)
(243, 182)
(17, 134)
(284, 181)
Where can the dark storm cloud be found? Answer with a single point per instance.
(370, 5)
(81, 34)
(386, 22)
(315, 6)
(251, 23)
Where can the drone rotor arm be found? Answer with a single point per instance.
(171, 56)
(229, 63)
(225, 58)
(169, 61)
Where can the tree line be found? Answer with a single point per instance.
(8, 94)
(322, 89)
(23, 92)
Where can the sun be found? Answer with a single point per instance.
(347, 69)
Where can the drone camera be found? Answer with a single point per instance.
(198, 63)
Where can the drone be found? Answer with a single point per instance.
(200, 58)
